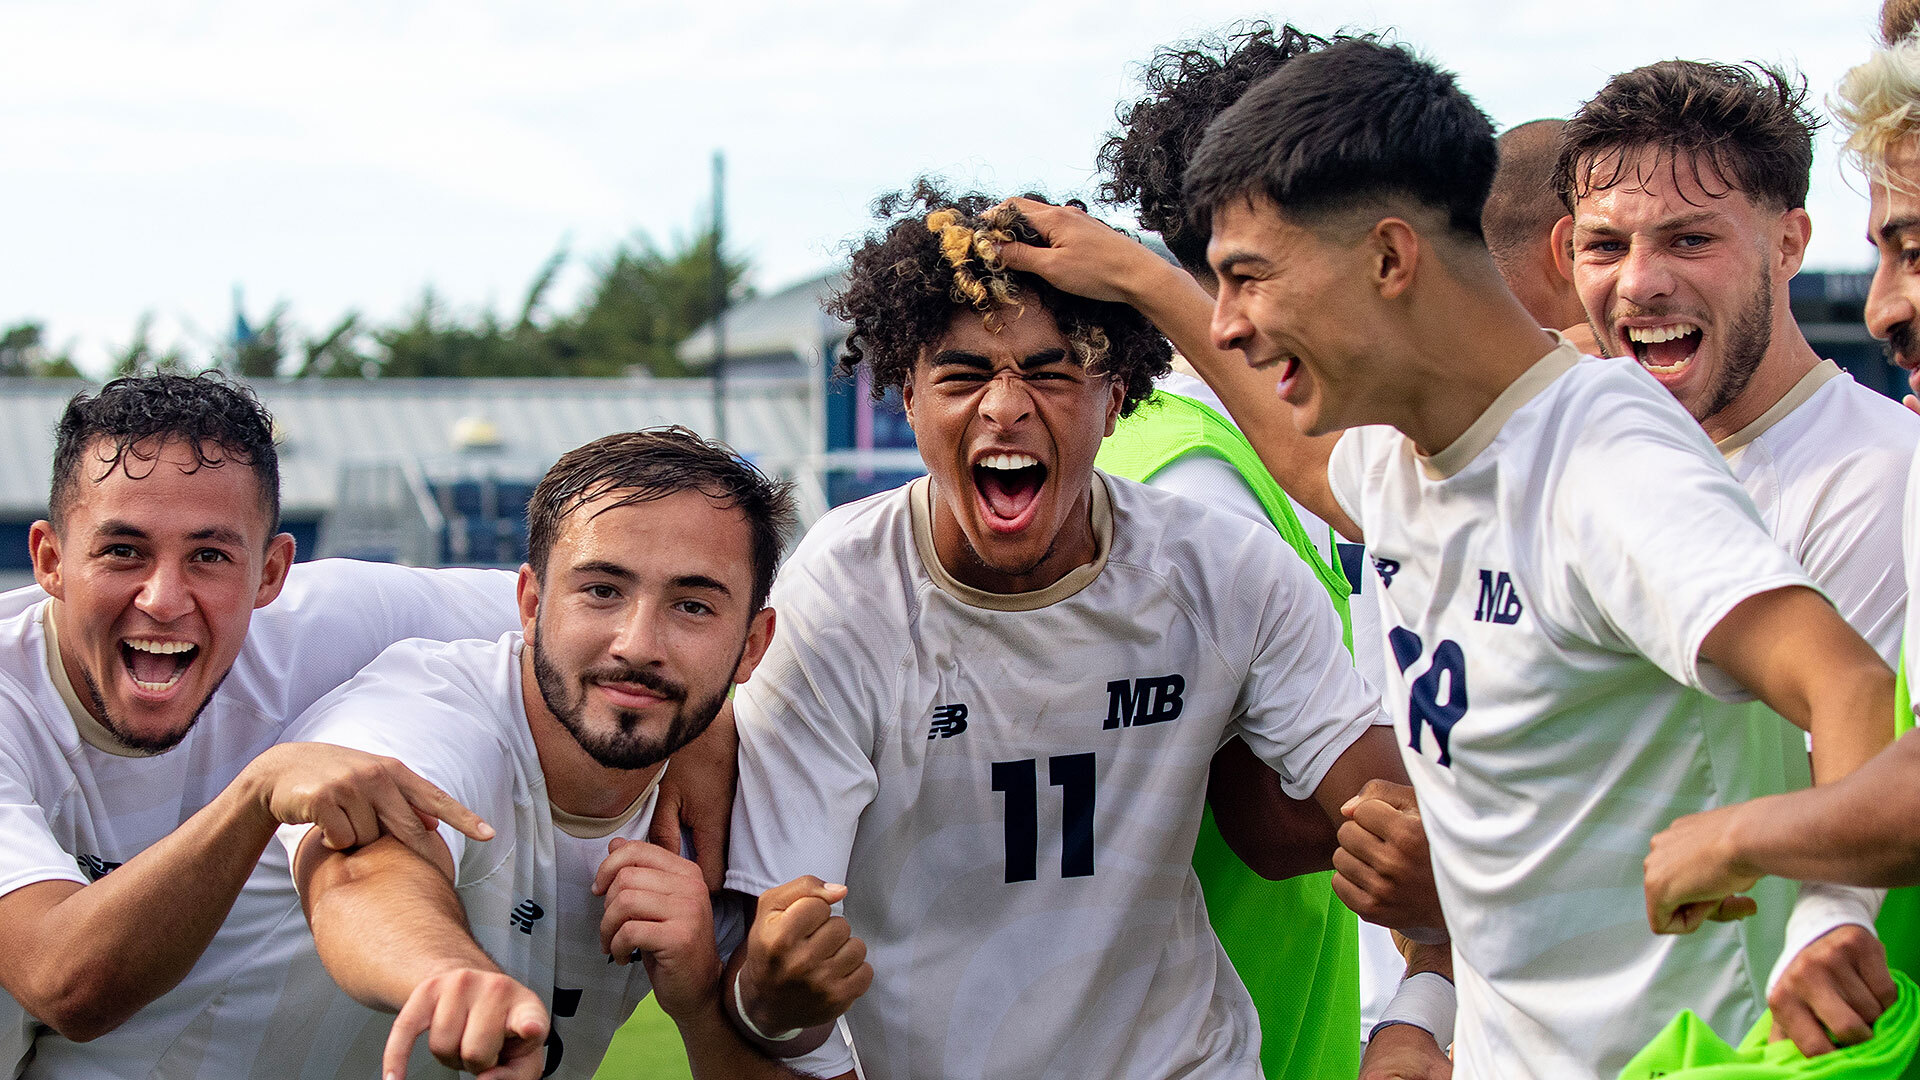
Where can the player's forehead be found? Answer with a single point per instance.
(658, 539)
(1652, 186)
(166, 480)
(1012, 334)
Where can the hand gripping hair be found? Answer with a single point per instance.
(938, 256)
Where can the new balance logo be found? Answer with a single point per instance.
(95, 867)
(1134, 702)
(948, 721)
(524, 916)
(1386, 568)
(1499, 600)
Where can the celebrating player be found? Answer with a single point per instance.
(996, 691)
(642, 602)
(1557, 629)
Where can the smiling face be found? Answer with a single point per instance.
(1690, 283)
(1008, 424)
(640, 623)
(1893, 226)
(156, 568)
(1297, 304)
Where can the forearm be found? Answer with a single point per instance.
(1852, 719)
(1863, 829)
(98, 954)
(715, 1050)
(1277, 837)
(384, 920)
(806, 1041)
(1183, 311)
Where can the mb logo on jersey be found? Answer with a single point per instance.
(1137, 702)
(948, 721)
(1499, 600)
(1386, 568)
(95, 867)
(524, 916)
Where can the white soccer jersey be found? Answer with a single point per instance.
(74, 804)
(1546, 593)
(527, 892)
(1823, 466)
(1010, 786)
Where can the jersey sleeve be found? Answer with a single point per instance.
(1851, 546)
(29, 853)
(807, 725)
(1302, 703)
(1656, 566)
(415, 704)
(1347, 471)
(1212, 481)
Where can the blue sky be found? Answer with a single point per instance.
(158, 154)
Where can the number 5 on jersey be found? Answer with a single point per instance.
(1447, 673)
(1019, 780)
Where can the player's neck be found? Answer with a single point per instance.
(575, 782)
(1789, 357)
(1467, 347)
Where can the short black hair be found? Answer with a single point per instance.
(1358, 122)
(1523, 207)
(654, 463)
(1187, 84)
(137, 415)
(937, 256)
(1747, 123)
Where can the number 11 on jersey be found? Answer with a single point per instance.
(1019, 780)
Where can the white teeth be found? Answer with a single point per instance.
(1009, 461)
(1653, 335)
(155, 686)
(162, 648)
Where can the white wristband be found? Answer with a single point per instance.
(740, 1009)
(1823, 907)
(1426, 1001)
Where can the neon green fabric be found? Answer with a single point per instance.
(1689, 1050)
(1293, 943)
(1899, 921)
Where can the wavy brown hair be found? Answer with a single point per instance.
(936, 256)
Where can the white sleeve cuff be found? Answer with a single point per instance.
(1425, 1000)
(1823, 907)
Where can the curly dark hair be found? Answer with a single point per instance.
(937, 256)
(653, 463)
(135, 416)
(1187, 84)
(1747, 124)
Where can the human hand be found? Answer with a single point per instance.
(1832, 991)
(353, 797)
(1382, 869)
(804, 967)
(1404, 1052)
(1692, 875)
(476, 1021)
(696, 794)
(657, 906)
(1084, 255)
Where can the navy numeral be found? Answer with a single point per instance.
(1448, 674)
(1020, 782)
(565, 1003)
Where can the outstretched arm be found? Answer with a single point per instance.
(83, 959)
(1086, 257)
(394, 936)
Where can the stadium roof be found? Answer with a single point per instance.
(771, 329)
(512, 427)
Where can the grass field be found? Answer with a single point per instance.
(647, 1048)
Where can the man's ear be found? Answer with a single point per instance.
(527, 596)
(1394, 248)
(273, 572)
(1561, 240)
(1795, 232)
(906, 393)
(43, 543)
(759, 636)
(1116, 398)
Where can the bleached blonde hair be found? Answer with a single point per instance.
(1878, 103)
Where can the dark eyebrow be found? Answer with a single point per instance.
(974, 361)
(604, 569)
(1233, 260)
(219, 533)
(700, 581)
(1894, 227)
(1043, 358)
(120, 528)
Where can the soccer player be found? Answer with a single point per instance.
(996, 691)
(1522, 211)
(1558, 630)
(144, 692)
(642, 602)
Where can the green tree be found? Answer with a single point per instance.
(644, 302)
(139, 356)
(23, 351)
(255, 352)
(335, 354)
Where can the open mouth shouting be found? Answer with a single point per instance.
(1664, 350)
(1008, 485)
(155, 666)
